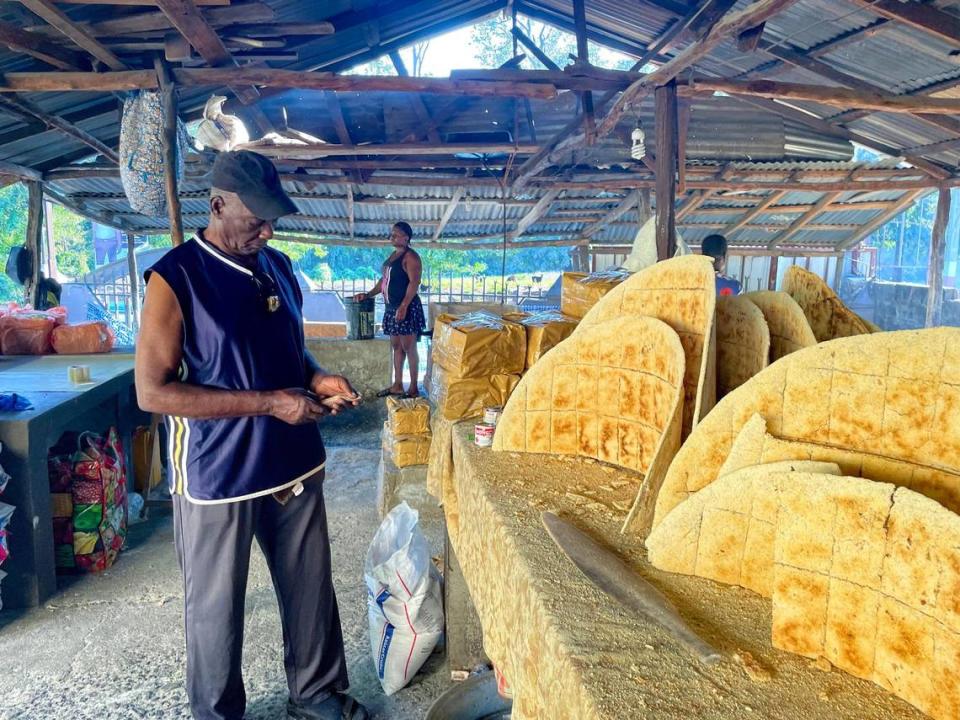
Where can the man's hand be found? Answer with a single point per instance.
(296, 406)
(335, 392)
(402, 312)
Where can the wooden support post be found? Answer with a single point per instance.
(938, 244)
(134, 282)
(645, 208)
(772, 277)
(838, 272)
(170, 153)
(51, 248)
(583, 55)
(34, 240)
(665, 122)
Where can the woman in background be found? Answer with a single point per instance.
(403, 318)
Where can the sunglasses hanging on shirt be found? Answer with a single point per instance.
(266, 291)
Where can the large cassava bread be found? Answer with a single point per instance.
(828, 316)
(789, 329)
(743, 342)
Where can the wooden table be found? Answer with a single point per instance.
(27, 436)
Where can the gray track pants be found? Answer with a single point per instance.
(213, 547)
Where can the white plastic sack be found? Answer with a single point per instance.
(404, 599)
(643, 254)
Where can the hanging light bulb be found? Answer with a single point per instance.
(639, 147)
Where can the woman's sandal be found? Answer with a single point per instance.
(387, 392)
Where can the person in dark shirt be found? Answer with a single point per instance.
(221, 354)
(715, 246)
(403, 318)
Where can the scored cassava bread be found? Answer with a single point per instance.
(895, 394)
(682, 293)
(789, 329)
(612, 392)
(743, 342)
(828, 316)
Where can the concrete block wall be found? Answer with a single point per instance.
(903, 306)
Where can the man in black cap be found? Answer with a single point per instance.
(221, 353)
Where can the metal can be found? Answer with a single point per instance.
(491, 415)
(483, 434)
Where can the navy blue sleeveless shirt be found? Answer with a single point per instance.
(232, 340)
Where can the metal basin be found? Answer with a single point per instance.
(475, 698)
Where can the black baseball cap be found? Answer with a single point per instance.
(255, 180)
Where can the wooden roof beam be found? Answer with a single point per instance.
(797, 225)
(419, 109)
(930, 168)
(881, 219)
(12, 103)
(536, 51)
(624, 206)
(535, 213)
(448, 212)
(340, 126)
(156, 22)
(835, 96)
(536, 164)
(186, 18)
(55, 17)
(752, 15)
(40, 47)
(325, 150)
(921, 16)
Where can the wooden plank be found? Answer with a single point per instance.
(938, 245)
(834, 96)
(329, 150)
(693, 203)
(928, 18)
(80, 81)
(282, 30)
(827, 71)
(448, 212)
(40, 47)
(21, 172)
(629, 203)
(271, 77)
(754, 212)
(16, 105)
(750, 16)
(534, 213)
(881, 219)
(797, 225)
(665, 126)
(772, 276)
(340, 127)
(151, 22)
(55, 17)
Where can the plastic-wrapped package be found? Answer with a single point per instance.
(27, 332)
(478, 344)
(94, 336)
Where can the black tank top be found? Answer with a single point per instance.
(397, 282)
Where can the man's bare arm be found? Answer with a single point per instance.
(159, 353)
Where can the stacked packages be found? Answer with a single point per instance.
(477, 362)
(545, 330)
(89, 501)
(406, 439)
(406, 433)
(24, 331)
(579, 292)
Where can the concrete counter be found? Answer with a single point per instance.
(368, 364)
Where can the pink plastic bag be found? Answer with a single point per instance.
(86, 337)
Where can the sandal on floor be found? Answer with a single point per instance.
(387, 392)
(336, 707)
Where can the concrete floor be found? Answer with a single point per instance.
(110, 647)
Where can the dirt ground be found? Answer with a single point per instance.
(111, 646)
